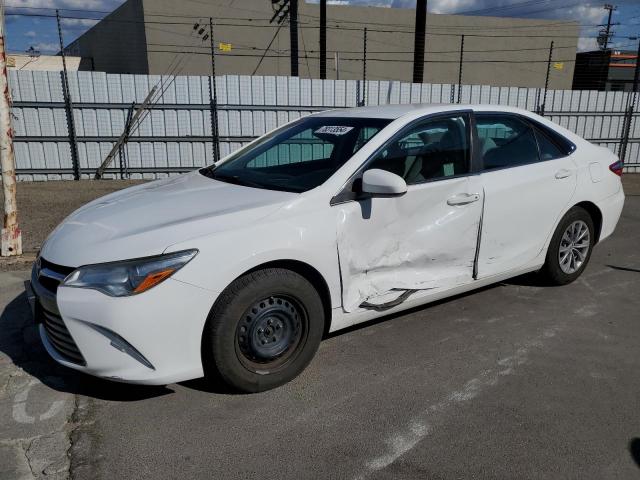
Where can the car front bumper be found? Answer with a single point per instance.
(153, 338)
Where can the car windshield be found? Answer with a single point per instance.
(300, 156)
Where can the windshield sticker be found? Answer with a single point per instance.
(334, 130)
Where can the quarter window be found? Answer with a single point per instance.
(434, 149)
(549, 150)
(505, 141)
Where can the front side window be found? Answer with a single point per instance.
(300, 156)
(434, 149)
(505, 141)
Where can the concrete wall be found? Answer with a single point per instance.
(522, 43)
(43, 62)
(498, 51)
(116, 44)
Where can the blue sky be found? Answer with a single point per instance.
(41, 33)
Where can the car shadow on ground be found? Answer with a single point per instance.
(624, 269)
(20, 341)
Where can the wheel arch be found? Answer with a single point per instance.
(596, 215)
(311, 274)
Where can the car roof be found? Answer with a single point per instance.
(396, 111)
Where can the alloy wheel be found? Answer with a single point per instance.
(574, 247)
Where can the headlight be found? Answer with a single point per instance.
(121, 279)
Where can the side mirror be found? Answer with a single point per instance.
(378, 182)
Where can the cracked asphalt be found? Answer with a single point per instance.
(512, 381)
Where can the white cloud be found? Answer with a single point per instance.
(448, 6)
(586, 14)
(44, 47)
(105, 5)
(586, 44)
(30, 34)
(79, 22)
(79, 4)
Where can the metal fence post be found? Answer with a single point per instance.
(624, 141)
(364, 67)
(541, 107)
(71, 126)
(124, 161)
(460, 68)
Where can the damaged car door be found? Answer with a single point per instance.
(394, 247)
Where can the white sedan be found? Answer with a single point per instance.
(236, 271)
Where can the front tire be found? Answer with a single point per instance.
(570, 247)
(263, 330)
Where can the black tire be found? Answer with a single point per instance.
(552, 270)
(240, 343)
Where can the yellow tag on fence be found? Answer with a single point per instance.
(224, 47)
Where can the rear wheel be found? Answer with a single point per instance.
(570, 248)
(263, 331)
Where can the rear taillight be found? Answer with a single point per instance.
(617, 167)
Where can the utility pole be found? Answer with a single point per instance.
(605, 35)
(71, 126)
(419, 39)
(11, 237)
(293, 36)
(213, 97)
(336, 59)
(323, 39)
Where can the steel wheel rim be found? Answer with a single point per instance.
(574, 247)
(271, 333)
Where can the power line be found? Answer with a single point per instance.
(389, 52)
(394, 60)
(394, 31)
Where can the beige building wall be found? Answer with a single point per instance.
(42, 62)
(498, 51)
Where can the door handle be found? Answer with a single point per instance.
(463, 199)
(564, 173)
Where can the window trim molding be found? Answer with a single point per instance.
(346, 194)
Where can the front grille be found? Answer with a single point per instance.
(46, 278)
(60, 338)
(51, 275)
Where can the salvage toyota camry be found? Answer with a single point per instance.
(236, 271)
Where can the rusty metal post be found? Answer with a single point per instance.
(11, 243)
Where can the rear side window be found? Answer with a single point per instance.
(505, 141)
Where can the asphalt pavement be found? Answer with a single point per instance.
(512, 381)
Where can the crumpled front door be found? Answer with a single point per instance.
(392, 248)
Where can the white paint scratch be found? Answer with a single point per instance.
(405, 440)
(20, 402)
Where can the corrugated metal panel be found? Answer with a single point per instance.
(250, 106)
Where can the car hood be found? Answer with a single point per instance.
(144, 220)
